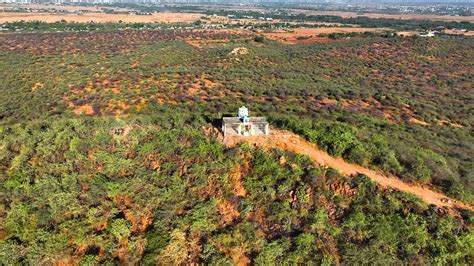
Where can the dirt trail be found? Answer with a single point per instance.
(285, 140)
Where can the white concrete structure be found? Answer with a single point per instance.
(243, 125)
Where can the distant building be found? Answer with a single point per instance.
(243, 125)
(428, 34)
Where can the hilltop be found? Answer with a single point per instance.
(109, 154)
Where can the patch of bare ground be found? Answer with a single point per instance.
(417, 121)
(279, 139)
(3, 234)
(239, 51)
(407, 33)
(83, 110)
(449, 123)
(99, 17)
(36, 86)
(459, 32)
(236, 176)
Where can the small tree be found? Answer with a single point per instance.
(259, 39)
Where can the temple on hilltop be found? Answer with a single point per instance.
(244, 125)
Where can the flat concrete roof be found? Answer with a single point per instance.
(236, 120)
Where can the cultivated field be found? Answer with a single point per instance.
(100, 17)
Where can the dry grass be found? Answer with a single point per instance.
(68, 8)
(101, 17)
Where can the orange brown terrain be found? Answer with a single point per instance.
(100, 17)
(67, 8)
(458, 32)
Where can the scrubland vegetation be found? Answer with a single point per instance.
(103, 156)
(155, 189)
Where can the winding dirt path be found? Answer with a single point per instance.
(279, 139)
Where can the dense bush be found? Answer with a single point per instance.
(155, 189)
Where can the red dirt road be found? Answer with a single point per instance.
(279, 139)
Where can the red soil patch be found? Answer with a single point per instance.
(65, 260)
(195, 91)
(83, 110)
(388, 115)
(3, 234)
(140, 222)
(123, 202)
(152, 162)
(115, 90)
(448, 123)
(328, 101)
(238, 256)
(139, 218)
(279, 139)
(228, 213)
(37, 86)
(419, 122)
(236, 180)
